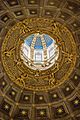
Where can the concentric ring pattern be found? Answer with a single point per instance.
(37, 79)
(51, 94)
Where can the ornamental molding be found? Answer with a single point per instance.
(37, 80)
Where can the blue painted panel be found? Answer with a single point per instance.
(29, 40)
(48, 40)
(38, 43)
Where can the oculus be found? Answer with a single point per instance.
(39, 51)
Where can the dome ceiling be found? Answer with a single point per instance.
(39, 51)
(61, 102)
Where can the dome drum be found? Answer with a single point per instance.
(39, 51)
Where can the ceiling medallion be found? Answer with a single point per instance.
(38, 54)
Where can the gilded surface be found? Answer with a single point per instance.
(27, 78)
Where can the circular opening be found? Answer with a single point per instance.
(39, 51)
